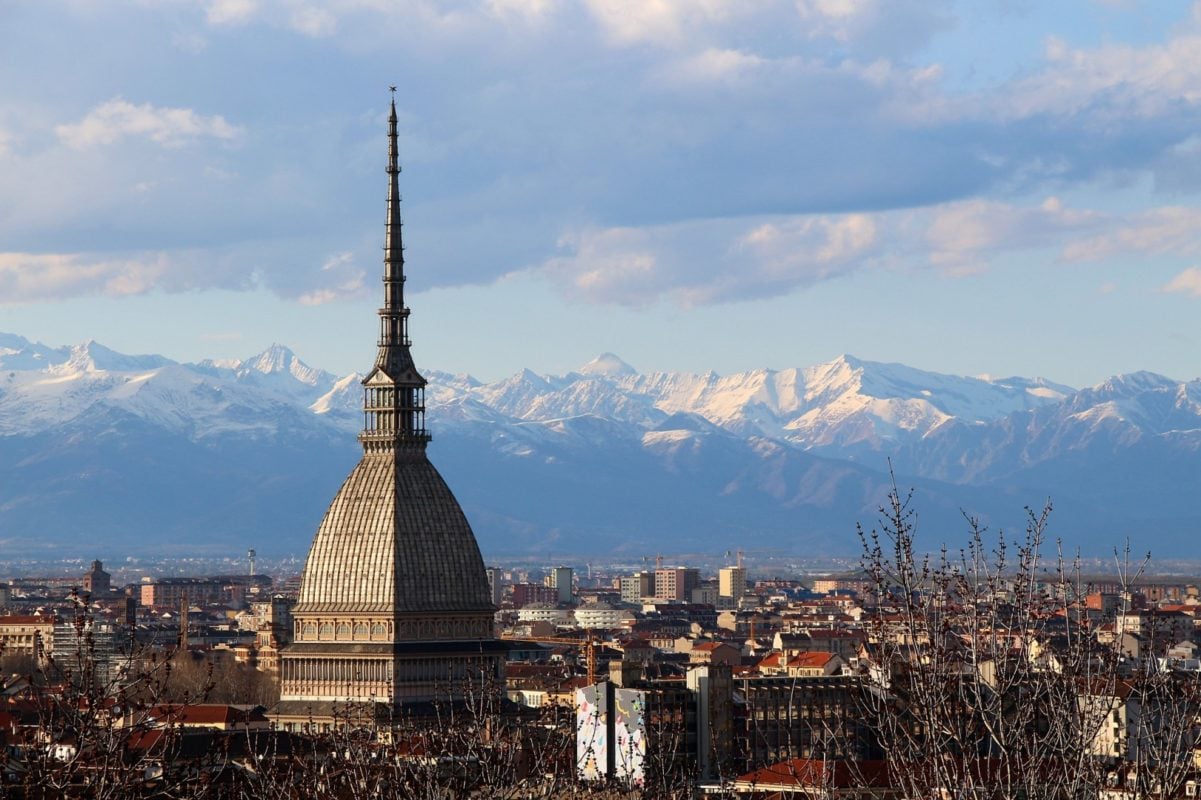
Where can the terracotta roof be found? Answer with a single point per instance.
(207, 714)
(800, 773)
(26, 620)
(813, 659)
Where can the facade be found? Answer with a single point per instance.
(394, 609)
(272, 621)
(97, 582)
(223, 590)
(526, 593)
(704, 595)
(602, 616)
(545, 612)
(495, 587)
(812, 717)
(731, 582)
(637, 586)
(676, 583)
(26, 635)
(859, 586)
(560, 579)
(87, 648)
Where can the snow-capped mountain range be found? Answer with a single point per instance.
(123, 452)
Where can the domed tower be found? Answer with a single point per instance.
(394, 604)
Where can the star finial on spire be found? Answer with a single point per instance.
(392, 89)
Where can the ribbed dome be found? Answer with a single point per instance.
(394, 540)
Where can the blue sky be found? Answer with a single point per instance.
(1002, 187)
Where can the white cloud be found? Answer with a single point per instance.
(312, 21)
(883, 27)
(35, 277)
(1110, 84)
(660, 22)
(617, 265)
(231, 12)
(712, 65)
(1167, 230)
(712, 261)
(1187, 282)
(811, 248)
(118, 118)
(834, 18)
(31, 277)
(962, 236)
(530, 10)
(342, 279)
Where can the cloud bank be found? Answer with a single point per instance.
(684, 151)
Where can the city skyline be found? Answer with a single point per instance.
(718, 186)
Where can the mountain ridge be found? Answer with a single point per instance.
(602, 457)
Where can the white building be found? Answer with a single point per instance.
(545, 612)
(601, 616)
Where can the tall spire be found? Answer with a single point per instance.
(394, 399)
(394, 259)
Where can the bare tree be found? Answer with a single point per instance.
(986, 676)
(96, 734)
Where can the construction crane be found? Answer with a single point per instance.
(589, 645)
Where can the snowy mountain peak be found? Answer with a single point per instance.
(1035, 387)
(755, 453)
(13, 343)
(607, 365)
(344, 397)
(17, 352)
(833, 378)
(90, 356)
(278, 359)
(1134, 383)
